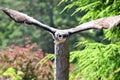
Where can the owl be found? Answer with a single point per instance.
(60, 36)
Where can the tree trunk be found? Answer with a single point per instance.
(51, 15)
(61, 70)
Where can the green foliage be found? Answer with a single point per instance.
(95, 9)
(96, 61)
(10, 72)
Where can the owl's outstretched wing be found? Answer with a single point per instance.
(107, 22)
(23, 18)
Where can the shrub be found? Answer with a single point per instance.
(24, 59)
(96, 61)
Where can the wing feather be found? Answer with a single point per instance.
(23, 18)
(107, 22)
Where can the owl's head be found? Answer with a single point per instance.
(61, 35)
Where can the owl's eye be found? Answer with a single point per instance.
(60, 36)
(64, 36)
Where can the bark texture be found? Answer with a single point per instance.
(61, 70)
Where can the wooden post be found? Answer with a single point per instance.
(61, 70)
